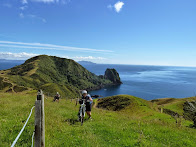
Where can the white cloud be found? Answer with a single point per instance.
(10, 44)
(52, 1)
(24, 2)
(23, 7)
(25, 56)
(78, 58)
(88, 58)
(45, 1)
(118, 6)
(43, 20)
(21, 15)
(33, 17)
(36, 17)
(16, 56)
(7, 5)
(109, 6)
(65, 1)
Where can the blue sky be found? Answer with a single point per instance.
(148, 32)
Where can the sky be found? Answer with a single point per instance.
(141, 32)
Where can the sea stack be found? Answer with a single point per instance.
(112, 75)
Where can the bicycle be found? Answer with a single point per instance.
(82, 111)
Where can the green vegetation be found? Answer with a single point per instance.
(3, 84)
(138, 123)
(173, 104)
(112, 75)
(51, 74)
(114, 103)
(19, 88)
(14, 110)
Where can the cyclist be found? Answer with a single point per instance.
(56, 97)
(88, 102)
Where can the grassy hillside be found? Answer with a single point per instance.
(136, 124)
(123, 102)
(50, 74)
(173, 104)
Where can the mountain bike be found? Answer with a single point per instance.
(82, 111)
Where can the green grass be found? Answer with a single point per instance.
(173, 104)
(142, 127)
(14, 110)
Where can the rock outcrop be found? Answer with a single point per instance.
(190, 111)
(112, 75)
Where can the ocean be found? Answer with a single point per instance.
(6, 64)
(147, 82)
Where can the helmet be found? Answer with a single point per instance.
(57, 93)
(84, 91)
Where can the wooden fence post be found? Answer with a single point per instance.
(161, 108)
(37, 123)
(42, 122)
(39, 120)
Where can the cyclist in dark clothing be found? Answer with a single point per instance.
(88, 102)
(56, 97)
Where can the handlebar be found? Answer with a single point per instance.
(84, 100)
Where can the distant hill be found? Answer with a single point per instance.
(86, 63)
(2, 60)
(18, 61)
(51, 74)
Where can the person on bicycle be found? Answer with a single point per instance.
(88, 102)
(56, 97)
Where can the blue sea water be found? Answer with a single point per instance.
(149, 82)
(6, 64)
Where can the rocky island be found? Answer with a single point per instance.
(112, 75)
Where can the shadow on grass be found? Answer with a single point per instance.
(73, 121)
(192, 126)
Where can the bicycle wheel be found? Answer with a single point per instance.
(82, 118)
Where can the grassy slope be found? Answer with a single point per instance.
(136, 125)
(174, 104)
(51, 74)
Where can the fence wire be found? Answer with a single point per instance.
(13, 144)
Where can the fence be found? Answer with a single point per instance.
(39, 133)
